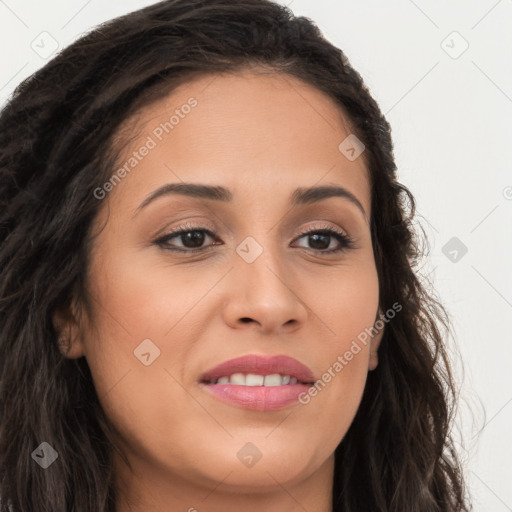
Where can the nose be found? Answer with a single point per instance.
(264, 296)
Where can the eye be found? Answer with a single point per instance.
(321, 238)
(191, 237)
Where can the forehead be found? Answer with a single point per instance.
(246, 130)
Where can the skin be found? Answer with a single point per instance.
(261, 135)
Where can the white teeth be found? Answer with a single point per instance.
(252, 379)
(237, 378)
(273, 380)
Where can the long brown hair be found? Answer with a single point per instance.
(56, 140)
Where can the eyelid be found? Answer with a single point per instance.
(190, 225)
(183, 228)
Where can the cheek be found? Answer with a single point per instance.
(344, 302)
(143, 313)
(345, 308)
(152, 296)
(143, 332)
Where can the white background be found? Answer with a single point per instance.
(452, 130)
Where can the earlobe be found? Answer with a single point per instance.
(69, 340)
(374, 360)
(374, 347)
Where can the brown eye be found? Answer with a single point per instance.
(320, 239)
(191, 239)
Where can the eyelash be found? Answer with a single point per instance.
(346, 243)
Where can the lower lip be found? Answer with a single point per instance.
(258, 398)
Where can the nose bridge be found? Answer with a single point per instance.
(261, 261)
(263, 288)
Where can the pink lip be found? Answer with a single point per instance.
(260, 398)
(261, 365)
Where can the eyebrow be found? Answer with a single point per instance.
(301, 196)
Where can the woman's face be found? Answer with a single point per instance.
(244, 280)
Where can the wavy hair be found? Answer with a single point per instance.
(56, 147)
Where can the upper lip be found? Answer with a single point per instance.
(260, 365)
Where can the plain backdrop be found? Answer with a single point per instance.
(441, 72)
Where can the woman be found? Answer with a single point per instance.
(207, 295)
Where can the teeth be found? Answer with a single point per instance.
(273, 380)
(252, 379)
(237, 378)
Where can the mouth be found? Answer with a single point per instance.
(254, 379)
(257, 370)
(258, 382)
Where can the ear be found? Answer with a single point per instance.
(374, 346)
(67, 324)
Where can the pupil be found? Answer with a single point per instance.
(195, 237)
(315, 238)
